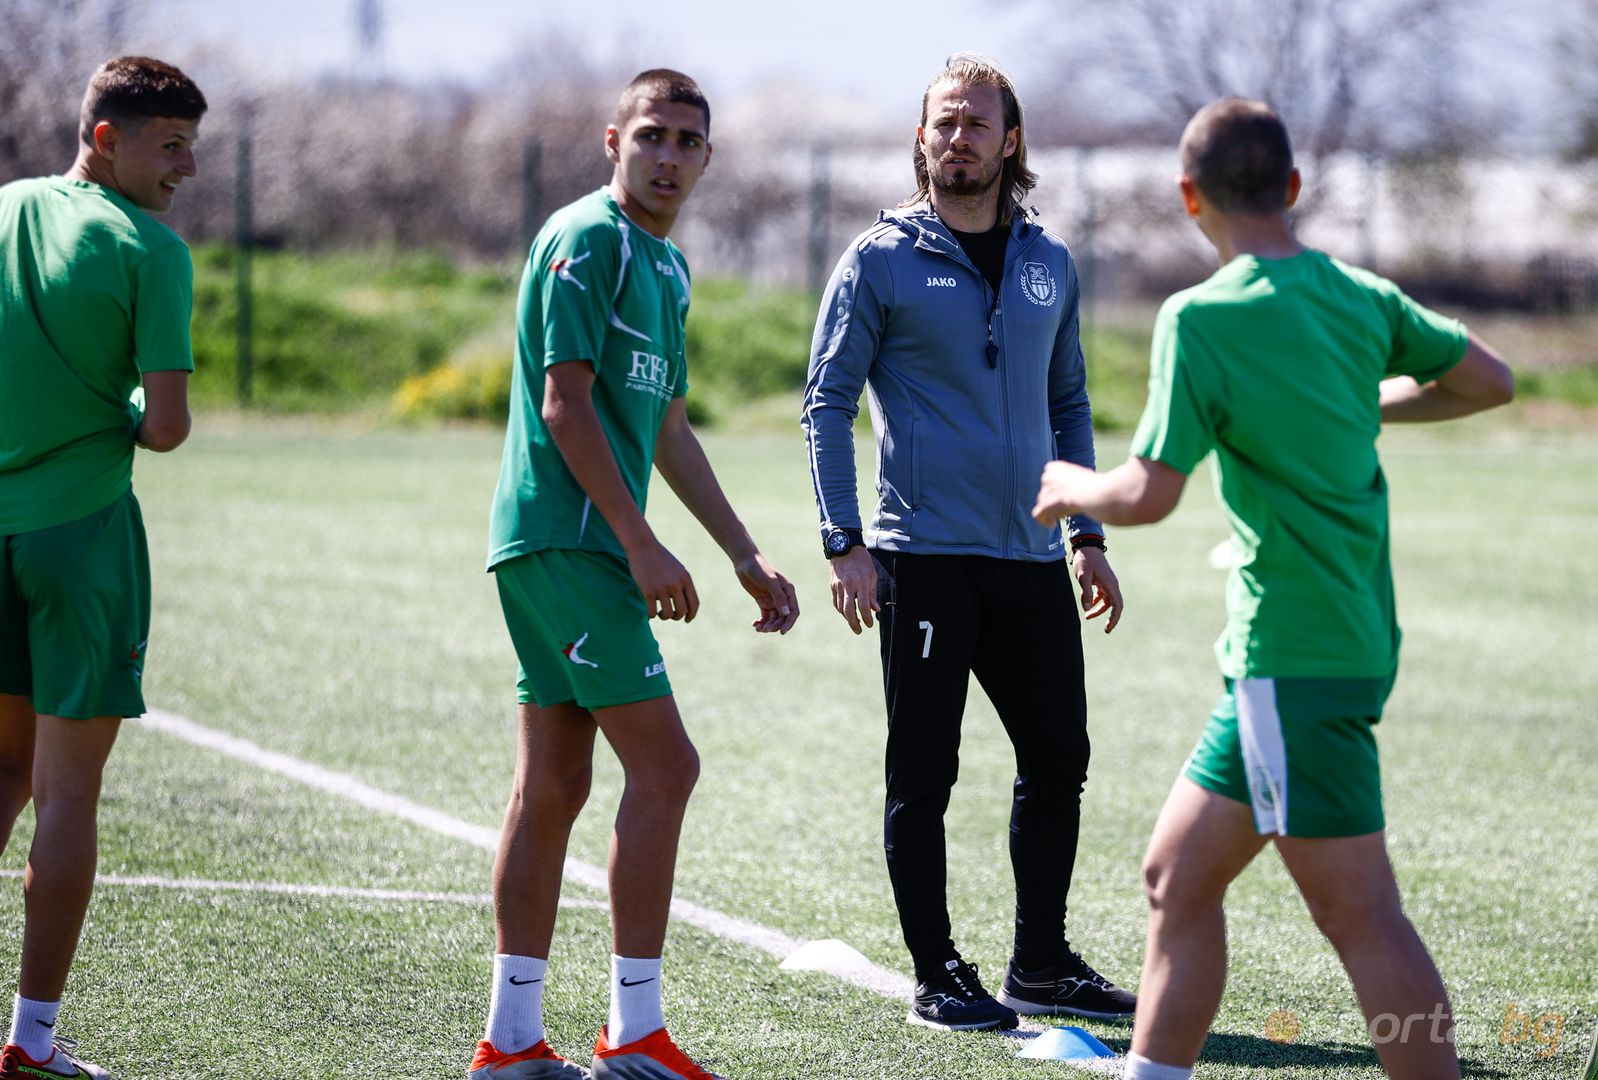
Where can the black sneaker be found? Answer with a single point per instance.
(955, 1001)
(1066, 987)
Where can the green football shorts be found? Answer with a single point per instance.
(580, 629)
(1299, 752)
(75, 614)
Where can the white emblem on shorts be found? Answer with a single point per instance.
(571, 652)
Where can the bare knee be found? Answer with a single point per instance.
(16, 786)
(555, 791)
(1175, 890)
(67, 790)
(666, 779)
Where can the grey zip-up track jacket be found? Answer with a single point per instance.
(970, 394)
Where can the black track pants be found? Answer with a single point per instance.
(1014, 625)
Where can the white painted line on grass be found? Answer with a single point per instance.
(291, 888)
(877, 979)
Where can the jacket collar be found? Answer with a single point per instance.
(931, 234)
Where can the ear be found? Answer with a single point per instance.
(1012, 139)
(105, 137)
(613, 145)
(1295, 184)
(710, 148)
(1190, 196)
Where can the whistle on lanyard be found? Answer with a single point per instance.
(993, 345)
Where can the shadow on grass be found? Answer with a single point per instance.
(1261, 1053)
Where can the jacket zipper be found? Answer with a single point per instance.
(996, 340)
(995, 349)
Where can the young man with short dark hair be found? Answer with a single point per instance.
(1281, 369)
(596, 400)
(95, 299)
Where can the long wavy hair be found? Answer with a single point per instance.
(1015, 179)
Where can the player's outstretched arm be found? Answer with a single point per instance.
(569, 414)
(166, 419)
(1480, 381)
(681, 460)
(1136, 492)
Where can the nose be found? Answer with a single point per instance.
(186, 165)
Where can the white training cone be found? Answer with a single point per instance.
(1066, 1044)
(829, 954)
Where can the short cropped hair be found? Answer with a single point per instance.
(1015, 179)
(660, 84)
(129, 90)
(1238, 154)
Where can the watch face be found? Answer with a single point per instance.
(838, 542)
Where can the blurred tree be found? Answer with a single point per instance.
(48, 50)
(1378, 76)
(370, 25)
(1576, 46)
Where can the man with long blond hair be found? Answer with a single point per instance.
(958, 315)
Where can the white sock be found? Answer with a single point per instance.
(634, 999)
(516, 1008)
(33, 1026)
(1139, 1067)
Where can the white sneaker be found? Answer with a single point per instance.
(15, 1064)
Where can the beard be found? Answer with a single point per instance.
(965, 179)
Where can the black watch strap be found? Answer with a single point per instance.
(836, 542)
(1092, 540)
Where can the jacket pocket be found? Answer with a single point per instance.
(915, 466)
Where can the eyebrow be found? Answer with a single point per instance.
(694, 132)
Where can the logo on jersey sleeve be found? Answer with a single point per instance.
(1038, 284)
(571, 652)
(562, 269)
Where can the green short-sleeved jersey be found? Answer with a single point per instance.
(93, 292)
(597, 288)
(1272, 366)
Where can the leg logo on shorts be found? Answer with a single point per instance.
(1264, 789)
(571, 652)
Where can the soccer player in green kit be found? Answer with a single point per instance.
(596, 400)
(95, 298)
(1282, 367)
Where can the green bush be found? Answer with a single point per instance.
(1576, 385)
(743, 344)
(748, 343)
(337, 332)
(474, 384)
(428, 339)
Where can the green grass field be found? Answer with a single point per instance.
(319, 592)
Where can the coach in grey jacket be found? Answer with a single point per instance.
(958, 316)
